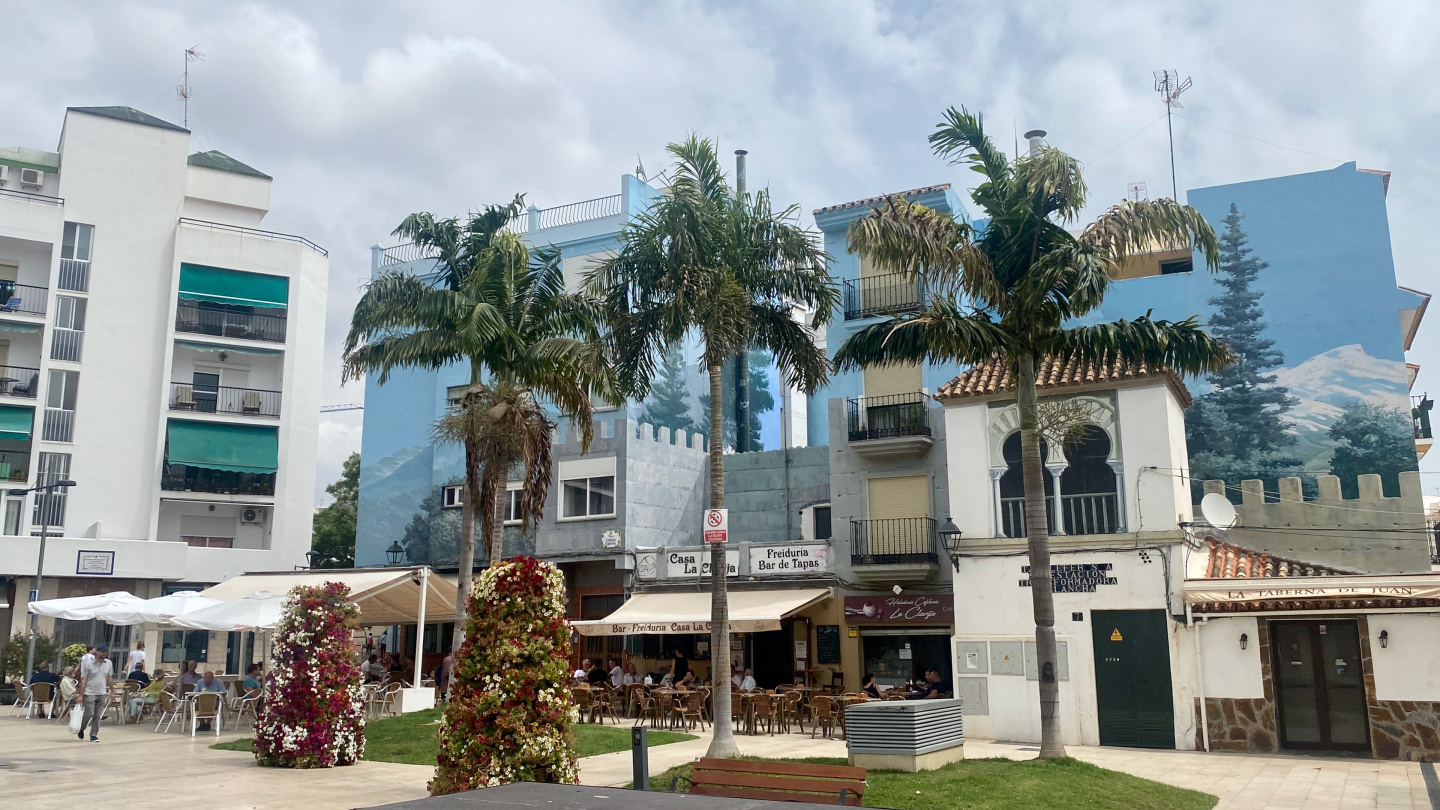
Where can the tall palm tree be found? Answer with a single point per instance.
(1027, 279)
(733, 271)
(502, 311)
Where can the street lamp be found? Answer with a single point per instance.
(40, 565)
(950, 536)
(394, 553)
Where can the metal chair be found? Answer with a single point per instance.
(22, 696)
(171, 709)
(41, 694)
(250, 703)
(206, 706)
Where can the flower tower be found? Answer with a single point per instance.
(508, 719)
(312, 714)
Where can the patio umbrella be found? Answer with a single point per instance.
(81, 608)
(159, 609)
(257, 611)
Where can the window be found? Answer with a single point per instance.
(1177, 266)
(69, 328)
(14, 508)
(60, 406)
(513, 496)
(50, 507)
(453, 497)
(76, 241)
(208, 542)
(453, 395)
(822, 523)
(587, 488)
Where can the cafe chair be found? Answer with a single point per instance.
(693, 710)
(22, 696)
(171, 709)
(41, 694)
(766, 709)
(824, 710)
(791, 711)
(206, 707)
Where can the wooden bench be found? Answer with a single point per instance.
(778, 781)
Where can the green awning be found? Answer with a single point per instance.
(222, 286)
(22, 328)
(220, 446)
(16, 422)
(212, 348)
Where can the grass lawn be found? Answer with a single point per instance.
(411, 739)
(1004, 784)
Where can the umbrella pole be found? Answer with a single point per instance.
(420, 626)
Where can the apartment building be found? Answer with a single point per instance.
(161, 350)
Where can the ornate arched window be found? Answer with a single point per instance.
(1088, 502)
(1012, 489)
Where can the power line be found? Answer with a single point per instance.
(1261, 140)
(1127, 140)
(1233, 488)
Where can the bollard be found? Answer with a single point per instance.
(640, 753)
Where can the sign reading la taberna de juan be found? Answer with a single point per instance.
(905, 609)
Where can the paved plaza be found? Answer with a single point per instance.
(43, 768)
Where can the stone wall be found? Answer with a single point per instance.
(766, 490)
(1243, 724)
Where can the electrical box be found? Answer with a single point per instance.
(1007, 658)
(975, 693)
(1062, 662)
(971, 658)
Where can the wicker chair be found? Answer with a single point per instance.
(206, 706)
(824, 710)
(791, 711)
(693, 710)
(766, 709)
(41, 695)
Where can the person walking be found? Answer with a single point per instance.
(137, 658)
(97, 679)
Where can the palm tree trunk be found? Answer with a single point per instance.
(466, 561)
(722, 743)
(1037, 535)
(497, 523)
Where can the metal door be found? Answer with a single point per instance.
(1132, 678)
(1320, 688)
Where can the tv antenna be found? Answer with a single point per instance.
(1168, 84)
(183, 91)
(1137, 191)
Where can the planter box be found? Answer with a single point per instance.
(910, 735)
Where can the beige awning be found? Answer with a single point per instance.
(655, 613)
(1267, 589)
(384, 595)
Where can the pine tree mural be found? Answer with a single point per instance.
(1238, 429)
(669, 401)
(761, 400)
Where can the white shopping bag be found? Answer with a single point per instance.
(77, 718)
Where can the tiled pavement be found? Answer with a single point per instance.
(42, 767)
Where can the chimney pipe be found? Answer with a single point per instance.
(740, 173)
(1036, 137)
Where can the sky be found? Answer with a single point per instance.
(364, 111)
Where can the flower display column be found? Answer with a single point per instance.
(508, 719)
(312, 715)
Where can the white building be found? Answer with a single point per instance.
(163, 352)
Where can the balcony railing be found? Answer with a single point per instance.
(65, 344)
(888, 417)
(1092, 513)
(223, 399)
(22, 298)
(182, 478)
(1420, 415)
(19, 381)
(893, 541)
(14, 465)
(190, 317)
(74, 275)
(59, 425)
(882, 295)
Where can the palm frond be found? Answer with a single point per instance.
(1181, 346)
(941, 333)
(909, 238)
(1133, 227)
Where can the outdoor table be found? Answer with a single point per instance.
(585, 797)
(5, 383)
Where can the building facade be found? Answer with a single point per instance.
(162, 351)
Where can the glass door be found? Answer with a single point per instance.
(1320, 685)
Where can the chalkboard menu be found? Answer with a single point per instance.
(827, 644)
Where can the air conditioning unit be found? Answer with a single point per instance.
(4, 175)
(32, 178)
(252, 514)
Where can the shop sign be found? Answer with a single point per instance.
(904, 609)
(788, 559)
(691, 563)
(1080, 578)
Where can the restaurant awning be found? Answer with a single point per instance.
(1330, 593)
(223, 446)
(656, 613)
(16, 422)
(222, 286)
(384, 595)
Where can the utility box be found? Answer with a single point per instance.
(908, 735)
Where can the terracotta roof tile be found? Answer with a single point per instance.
(869, 201)
(994, 377)
(1229, 561)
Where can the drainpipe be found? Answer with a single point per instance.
(1200, 675)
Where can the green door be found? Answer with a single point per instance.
(1132, 678)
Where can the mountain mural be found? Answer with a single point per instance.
(1325, 384)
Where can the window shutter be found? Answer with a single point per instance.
(587, 468)
(885, 381)
(903, 497)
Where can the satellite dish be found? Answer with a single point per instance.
(1218, 510)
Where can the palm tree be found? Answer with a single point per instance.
(1028, 278)
(734, 271)
(502, 311)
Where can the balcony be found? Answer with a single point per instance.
(74, 275)
(19, 381)
(222, 399)
(1420, 408)
(1091, 513)
(894, 549)
(14, 466)
(895, 425)
(232, 322)
(183, 478)
(22, 298)
(886, 294)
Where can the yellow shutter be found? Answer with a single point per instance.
(902, 497)
(884, 381)
(868, 268)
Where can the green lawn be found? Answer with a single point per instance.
(1004, 784)
(411, 739)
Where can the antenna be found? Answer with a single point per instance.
(1137, 191)
(640, 168)
(1168, 84)
(1218, 510)
(183, 91)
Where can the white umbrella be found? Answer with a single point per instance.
(258, 611)
(81, 608)
(159, 609)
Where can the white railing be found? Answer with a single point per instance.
(66, 344)
(59, 425)
(74, 275)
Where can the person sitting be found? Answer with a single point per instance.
(596, 676)
(43, 674)
(209, 683)
(252, 684)
(374, 670)
(188, 675)
(689, 681)
(869, 686)
(616, 673)
(736, 676)
(584, 671)
(747, 683)
(147, 696)
(68, 686)
(138, 675)
(929, 689)
(630, 676)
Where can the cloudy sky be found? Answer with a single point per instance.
(364, 112)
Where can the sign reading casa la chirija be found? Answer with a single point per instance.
(936, 608)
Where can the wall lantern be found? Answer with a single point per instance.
(1244, 640)
(394, 553)
(950, 536)
(1384, 638)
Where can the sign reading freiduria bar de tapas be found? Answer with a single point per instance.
(936, 608)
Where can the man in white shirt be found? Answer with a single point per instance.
(583, 671)
(97, 678)
(616, 673)
(137, 659)
(747, 684)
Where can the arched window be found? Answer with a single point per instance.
(1088, 487)
(1012, 489)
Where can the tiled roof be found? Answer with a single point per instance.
(129, 114)
(994, 377)
(1229, 561)
(221, 162)
(870, 201)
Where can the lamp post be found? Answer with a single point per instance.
(950, 536)
(40, 564)
(394, 553)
